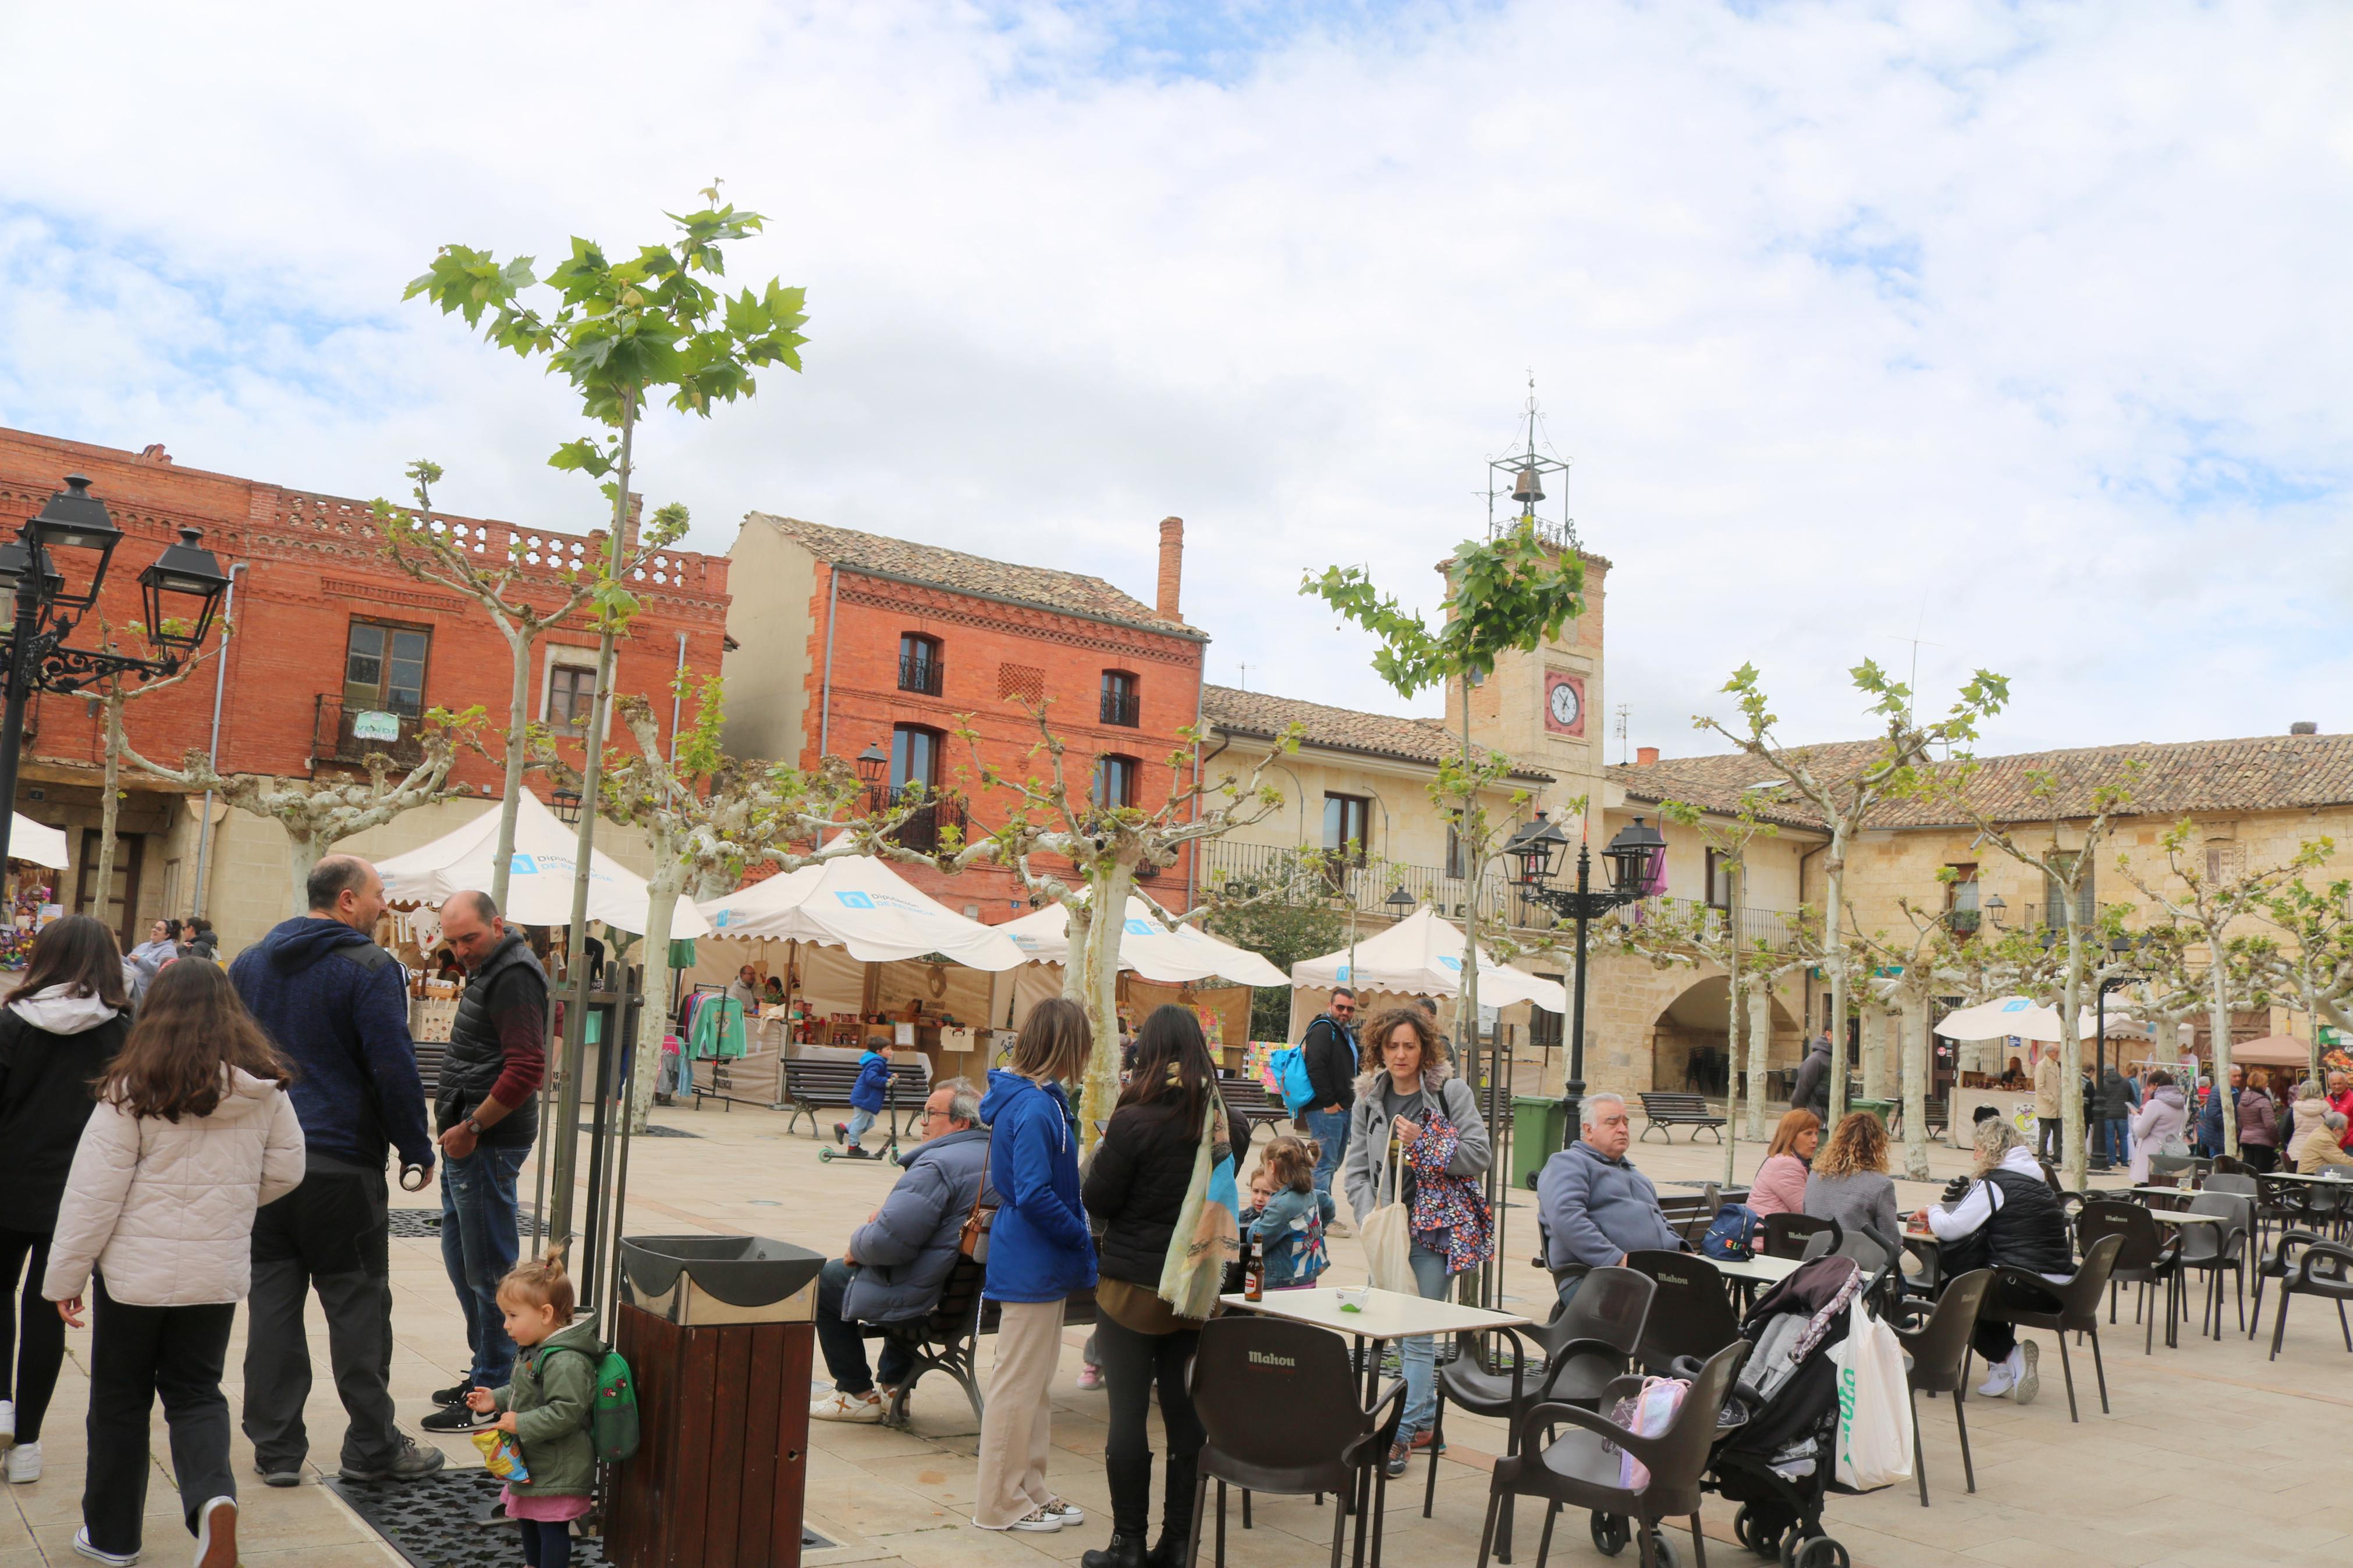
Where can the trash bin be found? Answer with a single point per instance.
(1537, 1126)
(1879, 1108)
(719, 1331)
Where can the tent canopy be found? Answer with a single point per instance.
(539, 881)
(1423, 953)
(2272, 1051)
(1146, 946)
(2005, 1016)
(857, 902)
(36, 843)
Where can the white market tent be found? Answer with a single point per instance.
(856, 902)
(539, 881)
(1147, 947)
(2019, 1018)
(1422, 953)
(36, 843)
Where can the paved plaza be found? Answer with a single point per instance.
(2212, 1455)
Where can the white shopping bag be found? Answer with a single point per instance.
(1874, 1429)
(1387, 1236)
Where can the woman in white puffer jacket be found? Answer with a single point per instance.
(193, 1133)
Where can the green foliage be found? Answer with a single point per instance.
(1283, 934)
(1506, 594)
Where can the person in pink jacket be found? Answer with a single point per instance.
(193, 1132)
(1780, 1184)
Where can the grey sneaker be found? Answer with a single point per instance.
(409, 1463)
(2029, 1382)
(284, 1476)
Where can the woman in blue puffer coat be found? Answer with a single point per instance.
(1039, 1251)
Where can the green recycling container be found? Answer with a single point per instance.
(1536, 1137)
(1879, 1108)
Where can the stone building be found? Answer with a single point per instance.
(326, 629)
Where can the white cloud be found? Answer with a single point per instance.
(2024, 325)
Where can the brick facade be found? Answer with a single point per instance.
(313, 567)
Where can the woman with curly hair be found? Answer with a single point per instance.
(1850, 1183)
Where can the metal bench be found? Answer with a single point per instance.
(812, 1086)
(944, 1339)
(1664, 1110)
(1247, 1098)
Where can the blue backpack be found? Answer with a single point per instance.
(1731, 1234)
(1290, 1066)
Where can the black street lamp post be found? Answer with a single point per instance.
(1634, 857)
(2119, 946)
(179, 594)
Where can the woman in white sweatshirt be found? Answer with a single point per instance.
(193, 1132)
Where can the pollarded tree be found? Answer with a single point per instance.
(1909, 969)
(1840, 795)
(2313, 970)
(319, 814)
(115, 692)
(506, 583)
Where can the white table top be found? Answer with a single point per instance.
(2172, 1217)
(1387, 1314)
(2294, 1177)
(1766, 1270)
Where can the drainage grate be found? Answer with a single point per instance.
(415, 1225)
(451, 1518)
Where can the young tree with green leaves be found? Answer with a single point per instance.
(2313, 970)
(1841, 798)
(622, 332)
(1282, 930)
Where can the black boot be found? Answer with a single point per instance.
(1169, 1550)
(1125, 1552)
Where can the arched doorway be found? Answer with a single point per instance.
(1689, 1039)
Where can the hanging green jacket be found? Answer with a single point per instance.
(551, 1396)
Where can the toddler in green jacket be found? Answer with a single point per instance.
(546, 1408)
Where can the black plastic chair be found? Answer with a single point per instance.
(1586, 1347)
(2078, 1310)
(1785, 1234)
(2213, 1250)
(1580, 1468)
(2147, 1258)
(1939, 1348)
(2324, 1270)
(1247, 1368)
(1690, 1314)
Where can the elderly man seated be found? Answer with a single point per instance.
(894, 1265)
(1595, 1206)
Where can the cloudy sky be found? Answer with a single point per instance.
(2020, 330)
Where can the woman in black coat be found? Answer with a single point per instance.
(1135, 1190)
(63, 1024)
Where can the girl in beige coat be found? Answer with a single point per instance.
(193, 1133)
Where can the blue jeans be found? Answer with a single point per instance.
(478, 1247)
(1330, 1130)
(860, 1121)
(1421, 1353)
(2116, 1138)
(843, 1343)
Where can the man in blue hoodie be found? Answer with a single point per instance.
(337, 1006)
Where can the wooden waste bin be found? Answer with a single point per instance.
(721, 1347)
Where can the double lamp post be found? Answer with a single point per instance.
(52, 572)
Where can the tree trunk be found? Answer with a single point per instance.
(1876, 1022)
(653, 1012)
(1732, 1036)
(305, 847)
(1760, 1052)
(1099, 993)
(511, 793)
(2218, 1000)
(1916, 1088)
(1834, 960)
(110, 807)
(2071, 1158)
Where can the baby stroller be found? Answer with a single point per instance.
(1779, 1424)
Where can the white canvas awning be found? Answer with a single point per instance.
(36, 843)
(1146, 946)
(857, 902)
(2019, 1016)
(1423, 954)
(539, 880)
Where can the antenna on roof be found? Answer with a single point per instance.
(1624, 710)
(1245, 686)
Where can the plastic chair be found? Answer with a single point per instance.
(2326, 1270)
(1579, 1470)
(2078, 1310)
(1690, 1314)
(1937, 1347)
(2147, 1258)
(1586, 1347)
(2213, 1248)
(1785, 1234)
(1246, 1371)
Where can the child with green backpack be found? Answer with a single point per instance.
(571, 1404)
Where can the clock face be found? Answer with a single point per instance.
(1565, 705)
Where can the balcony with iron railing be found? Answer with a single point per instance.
(940, 819)
(1122, 708)
(921, 672)
(1249, 869)
(1771, 930)
(350, 735)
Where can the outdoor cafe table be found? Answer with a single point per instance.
(1386, 1315)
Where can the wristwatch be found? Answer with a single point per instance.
(473, 1127)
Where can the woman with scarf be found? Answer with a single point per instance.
(1137, 1187)
(1413, 1114)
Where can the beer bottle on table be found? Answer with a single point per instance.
(1253, 1271)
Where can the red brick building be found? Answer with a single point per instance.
(326, 629)
(857, 641)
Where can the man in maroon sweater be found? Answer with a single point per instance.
(487, 1113)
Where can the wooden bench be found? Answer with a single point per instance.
(945, 1339)
(810, 1087)
(1247, 1098)
(1664, 1110)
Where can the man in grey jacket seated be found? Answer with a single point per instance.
(895, 1264)
(1595, 1207)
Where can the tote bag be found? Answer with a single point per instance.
(1874, 1431)
(1208, 1235)
(1387, 1236)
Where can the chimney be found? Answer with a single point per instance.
(1646, 756)
(1172, 567)
(2304, 727)
(153, 453)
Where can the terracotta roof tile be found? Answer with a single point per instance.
(1339, 728)
(2263, 772)
(1045, 587)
